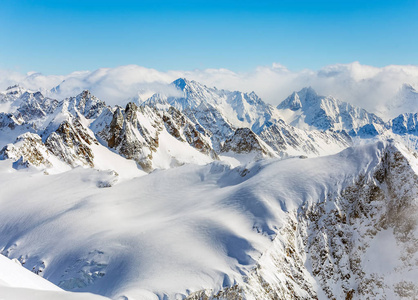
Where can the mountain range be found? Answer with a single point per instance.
(210, 194)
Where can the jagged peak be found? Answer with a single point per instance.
(253, 94)
(307, 93)
(181, 83)
(309, 96)
(36, 94)
(130, 106)
(184, 83)
(85, 94)
(15, 90)
(15, 86)
(245, 140)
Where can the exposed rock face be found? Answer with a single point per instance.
(220, 112)
(212, 121)
(338, 239)
(286, 139)
(179, 126)
(287, 257)
(27, 149)
(70, 142)
(132, 138)
(10, 121)
(204, 118)
(35, 105)
(246, 141)
(134, 132)
(87, 105)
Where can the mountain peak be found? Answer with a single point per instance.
(85, 94)
(16, 86)
(307, 93)
(181, 83)
(407, 88)
(307, 109)
(16, 90)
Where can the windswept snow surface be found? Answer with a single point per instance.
(169, 233)
(17, 283)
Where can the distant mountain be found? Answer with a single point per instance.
(405, 124)
(219, 113)
(12, 93)
(308, 110)
(405, 101)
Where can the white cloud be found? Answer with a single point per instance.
(367, 86)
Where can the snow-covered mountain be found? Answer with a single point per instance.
(208, 194)
(82, 130)
(405, 124)
(218, 113)
(307, 110)
(405, 101)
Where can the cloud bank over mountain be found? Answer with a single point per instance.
(367, 86)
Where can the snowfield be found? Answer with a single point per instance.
(18, 283)
(172, 232)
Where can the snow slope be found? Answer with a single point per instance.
(192, 229)
(17, 283)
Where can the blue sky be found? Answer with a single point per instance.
(58, 37)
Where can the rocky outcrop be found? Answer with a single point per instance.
(221, 112)
(210, 120)
(286, 139)
(134, 133)
(245, 141)
(131, 138)
(337, 240)
(12, 93)
(28, 149)
(86, 104)
(71, 143)
(35, 105)
(10, 121)
(182, 129)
